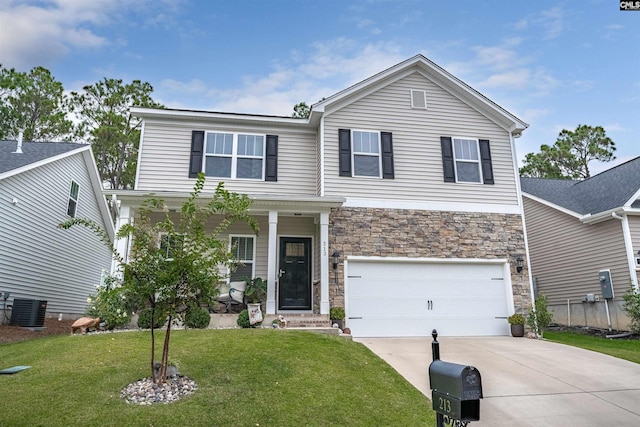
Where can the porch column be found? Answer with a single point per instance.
(121, 245)
(324, 263)
(272, 259)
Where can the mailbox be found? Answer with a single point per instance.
(456, 390)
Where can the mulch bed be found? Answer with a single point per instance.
(594, 332)
(52, 326)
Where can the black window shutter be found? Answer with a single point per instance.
(271, 173)
(197, 151)
(485, 159)
(387, 155)
(344, 147)
(448, 165)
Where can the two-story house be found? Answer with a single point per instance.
(398, 199)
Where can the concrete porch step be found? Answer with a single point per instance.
(307, 321)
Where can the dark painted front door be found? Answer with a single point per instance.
(294, 285)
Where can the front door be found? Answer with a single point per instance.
(294, 285)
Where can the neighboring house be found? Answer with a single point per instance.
(41, 185)
(576, 230)
(398, 198)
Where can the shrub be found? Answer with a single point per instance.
(336, 313)
(110, 303)
(144, 319)
(631, 306)
(244, 322)
(539, 316)
(197, 318)
(516, 319)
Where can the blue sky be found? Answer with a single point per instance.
(553, 64)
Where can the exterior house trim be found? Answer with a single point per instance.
(552, 205)
(432, 206)
(135, 184)
(433, 72)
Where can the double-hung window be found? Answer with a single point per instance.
(243, 251)
(72, 205)
(366, 153)
(467, 160)
(169, 244)
(232, 155)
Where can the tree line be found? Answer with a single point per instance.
(36, 104)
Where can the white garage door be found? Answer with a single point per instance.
(388, 299)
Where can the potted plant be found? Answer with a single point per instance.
(517, 324)
(336, 314)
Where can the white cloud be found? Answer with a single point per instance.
(583, 85)
(553, 21)
(36, 33)
(329, 67)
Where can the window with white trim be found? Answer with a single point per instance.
(72, 205)
(466, 154)
(243, 250)
(234, 155)
(168, 244)
(366, 153)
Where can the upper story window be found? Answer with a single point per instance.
(243, 250)
(232, 155)
(366, 153)
(72, 205)
(467, 160)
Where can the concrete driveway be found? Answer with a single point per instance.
(527, 382)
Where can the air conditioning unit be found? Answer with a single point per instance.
(28, 312)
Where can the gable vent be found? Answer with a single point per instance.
(418, 99)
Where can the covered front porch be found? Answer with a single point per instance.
(291, 250)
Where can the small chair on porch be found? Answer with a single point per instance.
(232, 294)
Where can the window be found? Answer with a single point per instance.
(169, 243)
(72, 206)
(366, 153)
(229, 155)
(243, 250)
(467, 160)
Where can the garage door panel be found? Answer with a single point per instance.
(412, 299)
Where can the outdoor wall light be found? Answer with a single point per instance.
(336, 258)
(519, 263)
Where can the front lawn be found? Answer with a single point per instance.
(620, 348)
(245, 378)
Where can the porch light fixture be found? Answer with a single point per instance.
(336, 259)
(519, 263)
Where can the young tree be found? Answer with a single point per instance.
(180, 268)
(103, 110)
(34, 103)
(301, 110)
(569, 157)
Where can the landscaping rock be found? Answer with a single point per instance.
(145, 392)
(85, 323)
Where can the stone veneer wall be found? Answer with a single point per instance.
(433, 234)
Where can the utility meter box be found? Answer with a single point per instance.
(606, 284)
(456, 390)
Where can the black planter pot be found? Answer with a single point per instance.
(517, 330)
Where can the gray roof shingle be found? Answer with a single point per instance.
(31, 152)
(608, 190)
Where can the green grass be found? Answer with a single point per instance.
(622, 349)
(245, 378)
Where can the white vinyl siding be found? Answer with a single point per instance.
(38, 260)
(164, 159)
(567, 255)
(417, 154)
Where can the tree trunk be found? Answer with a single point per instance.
(165, 354)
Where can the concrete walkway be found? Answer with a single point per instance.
(527, 382)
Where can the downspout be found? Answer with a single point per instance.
(628, 245)
(524, 225)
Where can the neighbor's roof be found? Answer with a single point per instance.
(32, 152)
(611, 189)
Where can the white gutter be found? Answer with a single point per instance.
(628, 245)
